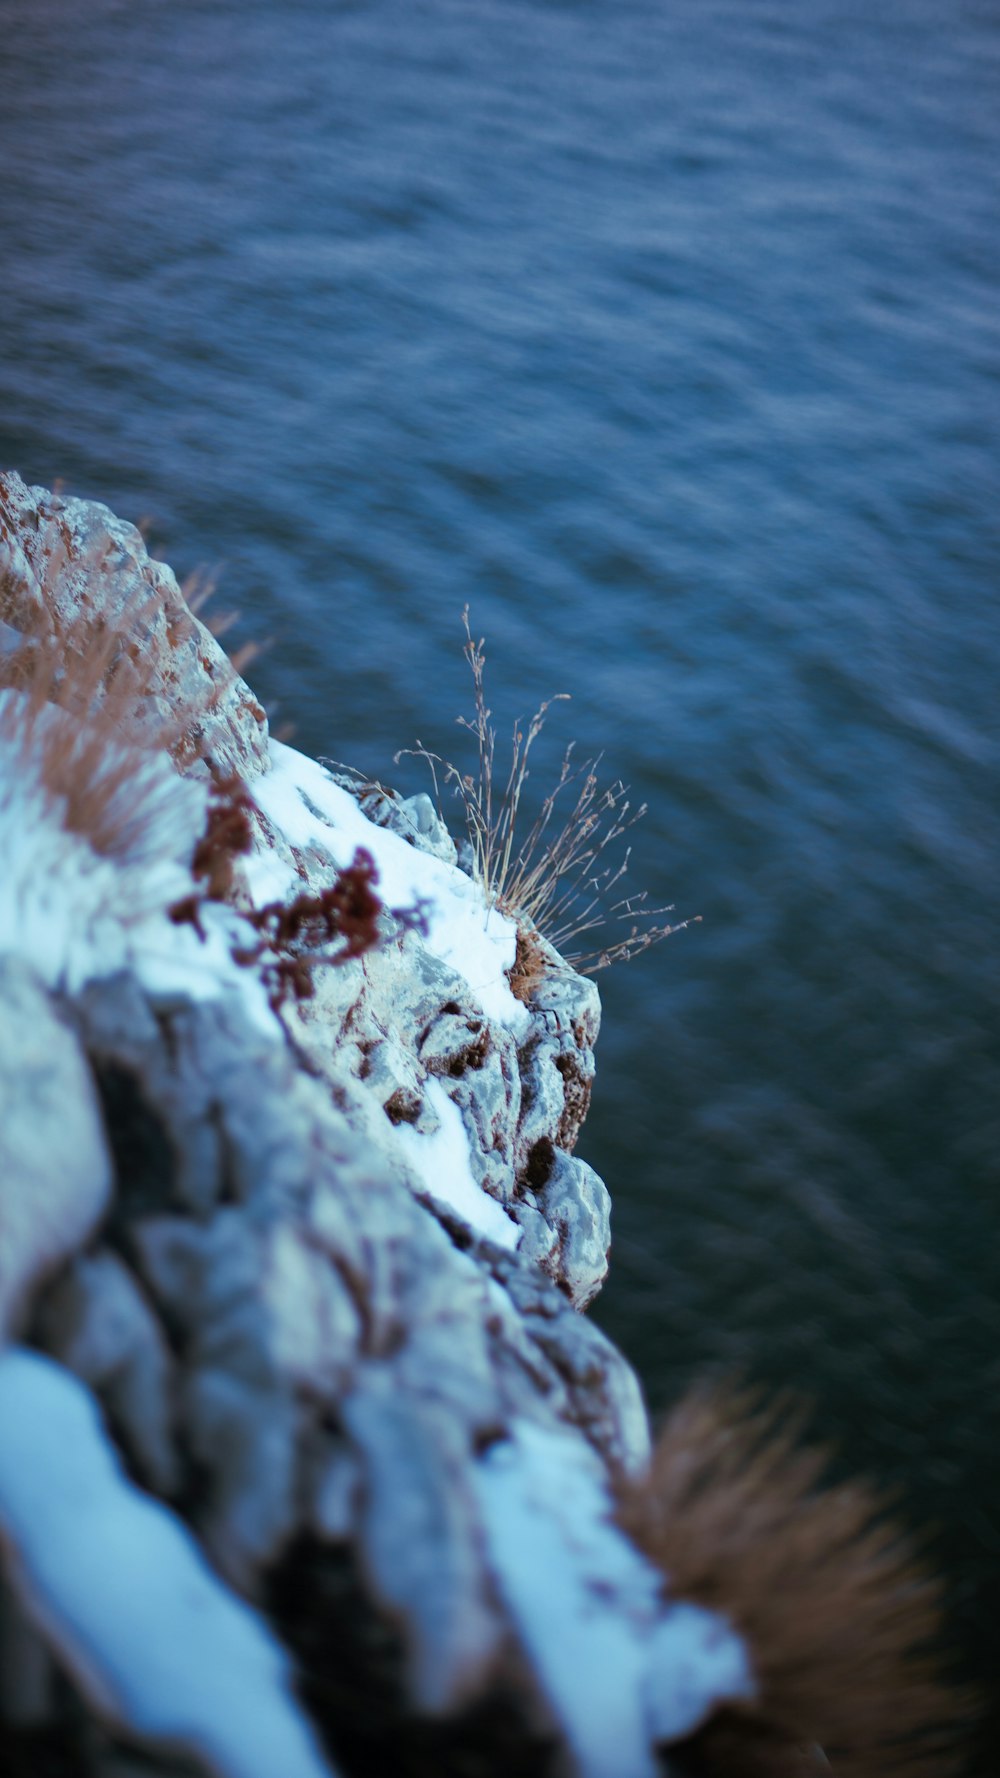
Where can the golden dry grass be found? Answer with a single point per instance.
(78, 723)
(839, 1617)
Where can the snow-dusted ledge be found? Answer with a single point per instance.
(308, 808)
(302, 1431)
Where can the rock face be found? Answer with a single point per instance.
(65, 1183)
(317, 1266)
(89, 570)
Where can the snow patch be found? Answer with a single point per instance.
(479, 943)
(622, 1667)
(174, 960)
(76, 916)
(695, 1660)
(119, 1586)
(442, 1162)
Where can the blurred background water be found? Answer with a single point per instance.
(666, 333)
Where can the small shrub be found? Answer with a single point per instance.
(291, 933)
(563, 873)
(293, 936)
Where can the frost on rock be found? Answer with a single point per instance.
(442, 1161)
(306, 1267)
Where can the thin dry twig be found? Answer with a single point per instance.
(198, 589)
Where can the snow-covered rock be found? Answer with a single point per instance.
(55, 1167)
(309, 1271)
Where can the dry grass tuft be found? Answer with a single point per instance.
(562, 874)
(96, 760)
(839, 1618)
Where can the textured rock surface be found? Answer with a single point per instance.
(54, 1161)
(380, 1029)
(218, 1219)
(91, 569)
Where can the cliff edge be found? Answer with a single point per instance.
(308, 1456)
(310, 1459)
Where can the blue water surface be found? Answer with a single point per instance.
(666, 334)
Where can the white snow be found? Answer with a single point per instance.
(442, 1162)
(622, 1667)
(170, 959)
(119, 1585)
(477, 942)
(76, 916)
(694, 1660)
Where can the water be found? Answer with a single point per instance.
(666, 335)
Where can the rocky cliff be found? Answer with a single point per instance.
(307, 1452)
(310, 1459)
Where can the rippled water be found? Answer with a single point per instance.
(666, 333)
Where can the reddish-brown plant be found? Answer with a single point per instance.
(294, 935)
(228, 833)
(347, 908)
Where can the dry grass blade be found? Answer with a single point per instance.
(561, 874)
(198, 590)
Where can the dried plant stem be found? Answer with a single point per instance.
(562, 873)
